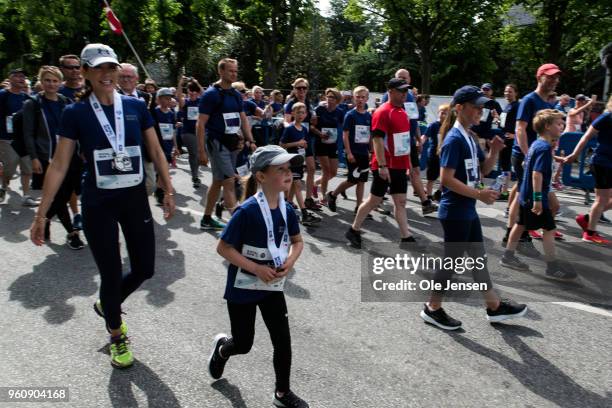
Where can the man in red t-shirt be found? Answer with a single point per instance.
(390, 161)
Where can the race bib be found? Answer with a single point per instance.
(192, 113)
(332, 133)
(232, 122)
(472, 173)
(412, 110)
(243, 170)
(9, 124)
(249, 281)
(485, 115)
(167, 131)
(502, 119)
(110, 178)
(302, 151)
(362, 134)
(401, 144)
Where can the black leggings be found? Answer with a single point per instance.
(274, 312)
(59, 206)
(101, 221)
(461, 236)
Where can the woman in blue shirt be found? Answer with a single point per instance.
(461, 159)
(111, 130)
(189, 109)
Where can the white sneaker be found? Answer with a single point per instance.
(29, 202)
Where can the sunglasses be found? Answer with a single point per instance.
(71, 66)
(301, 88)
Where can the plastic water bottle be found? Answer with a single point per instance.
(499, 184)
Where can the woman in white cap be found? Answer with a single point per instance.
(112, 131)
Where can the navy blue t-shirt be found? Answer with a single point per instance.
(249, 107)
(484, 128)
(165, 118)
(327, 119)
(189, 126)
(306, 121)
(53, 114)
(291, 134)
(539, 158)
(260, 104)
(603, 151)
(10, 103)
(528, 107)
(210, 104)
(455, 150)
(277, 107)
(432, 135)
(79, 122)
(247, 227)
(68, 92)
(509, 119)
(351, 120)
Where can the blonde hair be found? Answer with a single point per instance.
(239, 86)
(296, 106)
(546, 117)
(225, 61)
(444, 106)
(300, 81)
(335, 92)
(256, 88)
(50, 70)
(360, 88)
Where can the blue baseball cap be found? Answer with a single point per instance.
(469, 93)
(486, 85)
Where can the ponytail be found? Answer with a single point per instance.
(446, 126)
(251, 187)
(85, 92)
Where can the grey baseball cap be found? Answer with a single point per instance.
(273, 155)
(165, 92)
(98, 54)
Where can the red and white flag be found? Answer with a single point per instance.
(113, 21)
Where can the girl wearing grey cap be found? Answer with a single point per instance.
(262, 242)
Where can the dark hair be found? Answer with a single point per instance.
(87, 89)
(252, 184)
(69, 56)
(513, 86)
(194, 87)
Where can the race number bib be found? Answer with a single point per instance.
(502, 119)
(9, 124)
(167, 131)
(472, 173)
(362, 134)
(485, 115)
(401, 144)
(302, 151)
(192, 113)
(249, 281)
(412, 110)
(232, 122)
(108, 177)
(332, 134)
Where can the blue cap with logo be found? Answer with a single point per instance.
(469, 93)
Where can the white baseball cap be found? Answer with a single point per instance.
(98, 54)
(165, 92)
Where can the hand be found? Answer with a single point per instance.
(569, 159)
(37, 230)
(203, 157)
(36, 166)
(303, 143)
(285, 268)
(265, 273)
(537, 208)
(253, 146)
(179, 125)
(350, 158)
(384, 174)
(488, 196)
(497, 144)
(169, 206)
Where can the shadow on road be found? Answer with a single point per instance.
(229, 391)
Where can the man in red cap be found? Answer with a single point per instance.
(548, 77)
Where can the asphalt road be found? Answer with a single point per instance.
(346, 353)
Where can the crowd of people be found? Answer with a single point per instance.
(88, 131)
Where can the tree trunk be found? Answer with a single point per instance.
(271, 63)
(425, 70)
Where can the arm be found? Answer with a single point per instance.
(30, 122)
(584, 107)
(227, 251)
(537, 179)
(259, 113)
(447, 178)
(496, 145)
(379, 151)
(347, 146)
(297, 245)
(521, 135)
(179, 93)
(246, 130)
(591, 131)
(161, 166)
(201, 136)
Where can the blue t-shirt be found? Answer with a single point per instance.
(510, 111)
(291, 134)
(53, 114)
(164, 119)
(432, 135)
(603, 151)
(277, 107)
(247, 227)
(455, 150)
(260, 104)
(189, 126)
(10, 103)
(528, 107)
(484, 128)
(414, 123)
(249, 107)
(211, 104)
(68, 92)
(79, 122)
(539, 158)
(327, 119)
(352, 119)
(306, 121)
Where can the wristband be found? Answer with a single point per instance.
(537, 196)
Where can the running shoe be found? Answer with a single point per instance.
(439, 318)
(289, 400)
(512, 262)
(311, 204)
(310, 220)
(535, 234)
(602, 219)
(354, 238)
(77, 222)
(197, 183)
(437, 196)
(503, 196)
(29, 202)
(560, 271)
(582, 221)
(594, 238)
(219, 210)
(428, 207)
(381, 209)
(331, 202)
(2, 195)
(212, 224)
(121, 356)
(559, 236)
(527, 249)
(368, 217)
(507, 309)
(343, 194)
(216, 363)
(74, 241)
(323, 202)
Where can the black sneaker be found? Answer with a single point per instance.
(219, 210)
(74, 242)
(440, 319)
(216, 363)
(368, 217)
(197, 183)
(428, 207)
(77, 222)
(507, 310)
(437, 196)
(354, 238)
(411, 244)
(309, 219)
(604, 220)
(562, 272)
(527, 248)
(289, 400)
(331, 202)
(383, 210)
(343, 194)
(512, 262)
(312, 205)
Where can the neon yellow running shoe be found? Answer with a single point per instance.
(121, 355)
(100, 312)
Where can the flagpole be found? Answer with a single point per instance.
(131, 46)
